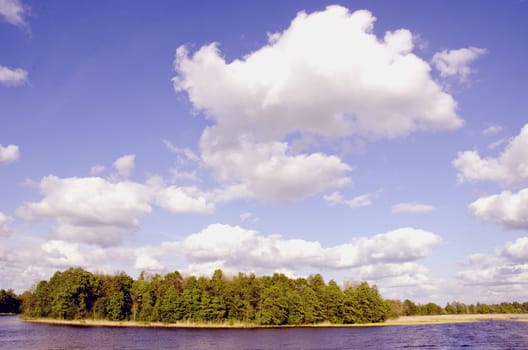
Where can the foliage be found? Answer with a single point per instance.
(10, 303)
(268, 300)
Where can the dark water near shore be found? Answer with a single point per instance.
(15, 334)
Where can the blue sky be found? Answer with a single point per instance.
(379, 141)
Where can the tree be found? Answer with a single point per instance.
(169, 310)
(274, 307)
(363, 304)
(334, 303)
(9, 302)
(409, 308)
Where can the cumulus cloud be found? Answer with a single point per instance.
(319, 75)
(509, 169)
(63, 254)
(507, 209)
(412, 208)
(5, 221)
(327, 74)
(105, 212)
(125, 165)
(184, 200)
(456, 62)
(9, 154)
(14, 12)
(269, 172)
(147, 259)
(505, 273)
(236, 248)
(12, 77)
(363, 200)
(91, 209)
(516, 251)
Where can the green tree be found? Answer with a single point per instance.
(363, 304)
(9, 302)
(274, 307)
(169, 310)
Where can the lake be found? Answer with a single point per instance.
(15, 334)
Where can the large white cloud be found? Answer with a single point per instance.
(90, 209)
(14, 12)
(9, 153)
(456, 62)
(509, 169)
(236, 248)
(268, 171)
(105, 212)
(507, 209)
(327, 74)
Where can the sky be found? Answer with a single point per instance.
(373, 141)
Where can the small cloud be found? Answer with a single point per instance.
(455, 63)
(186, 152)
(12, 77)
(363, 200)
(499, 143)
(245, 216)
(492, 130)
(412, 208)
(9, 154)
(125, 165)
(507, 169)
(97, 169)
(14, 12)
(184, 175)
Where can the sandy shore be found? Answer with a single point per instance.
(409, 320)
(405, 320)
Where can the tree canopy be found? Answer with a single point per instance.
(267, 300)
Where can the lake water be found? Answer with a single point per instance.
(15, 334)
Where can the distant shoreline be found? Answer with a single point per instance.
(400, 321)
(463, 318)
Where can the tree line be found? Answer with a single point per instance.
(267, 300)
(409, 308)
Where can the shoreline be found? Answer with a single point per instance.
(401, 321)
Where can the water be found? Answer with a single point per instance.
(15, 334)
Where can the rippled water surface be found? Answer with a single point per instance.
(15, 334)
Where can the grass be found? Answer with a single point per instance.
(401, 321)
